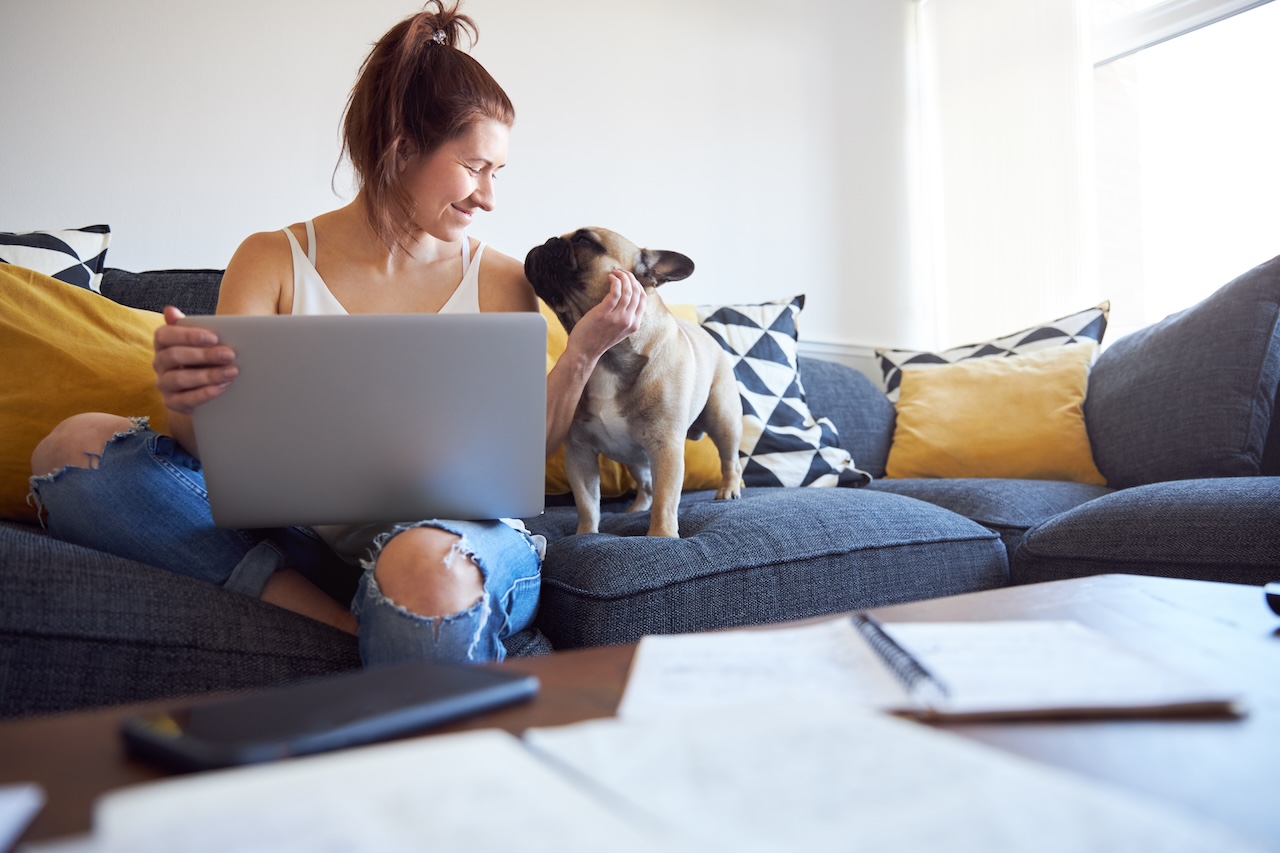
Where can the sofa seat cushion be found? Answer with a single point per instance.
(80, 628)
(774, 554)
(1222, 529)
(1009, 507)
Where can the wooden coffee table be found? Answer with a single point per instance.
(1223, 770)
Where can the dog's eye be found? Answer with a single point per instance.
(583, 239)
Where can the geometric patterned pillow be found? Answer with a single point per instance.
(1089, 324)
(782, 443)
(76, 256)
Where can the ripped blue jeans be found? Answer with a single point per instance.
(144, 499)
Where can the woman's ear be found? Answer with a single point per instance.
(404, 151)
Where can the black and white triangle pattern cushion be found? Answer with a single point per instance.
(1089, 324)
(782, 443)
(76, 255)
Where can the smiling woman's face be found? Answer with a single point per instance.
(451, 183)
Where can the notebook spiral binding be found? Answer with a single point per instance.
(901, 662)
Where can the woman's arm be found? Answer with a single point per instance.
(607, 324)
(191, 366)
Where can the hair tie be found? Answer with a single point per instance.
(439, 37)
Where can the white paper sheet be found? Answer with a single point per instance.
(474, 792)
(997, 668)
(684, 672)
(823, 776)
(19, 804)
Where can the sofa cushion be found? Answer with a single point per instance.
(1210, 529)
(1021, 416)
(1192, 395)
(735, 564)
(80, 627)
(74, 255)
(861, 412)
(65, 350)
(1009, 507)
(782, 443)
(1086, 325)
(191, 291)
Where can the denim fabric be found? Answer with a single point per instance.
(144, 499)
(1193, 395)
(509, 562)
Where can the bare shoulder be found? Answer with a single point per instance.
(503, 286)
(258, 277)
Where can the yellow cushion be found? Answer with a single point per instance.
(64, 350)
(1018, 417)
(701, 460)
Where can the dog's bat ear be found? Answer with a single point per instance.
(659, 266)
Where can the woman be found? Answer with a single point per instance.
(426, 129)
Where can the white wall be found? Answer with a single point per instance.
(764, 140)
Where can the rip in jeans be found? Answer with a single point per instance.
(460, 548)
(95, 462)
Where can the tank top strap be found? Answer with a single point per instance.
(311, 241)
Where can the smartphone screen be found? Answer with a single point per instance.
(321, 714)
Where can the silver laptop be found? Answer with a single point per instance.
(370, 418)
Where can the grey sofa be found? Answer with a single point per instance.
(1180, 419)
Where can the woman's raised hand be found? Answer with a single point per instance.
(191, 366)
(616, 316)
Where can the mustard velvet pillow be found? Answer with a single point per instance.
(65, 350)
(1020, 417)
(701, 460)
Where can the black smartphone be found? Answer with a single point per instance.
(321, 714)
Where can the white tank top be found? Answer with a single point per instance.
(312, 296)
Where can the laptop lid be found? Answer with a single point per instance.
(374, 418)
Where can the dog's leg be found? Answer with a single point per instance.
(582, 466)
(668, 470)
(722, 420)
(643, 475)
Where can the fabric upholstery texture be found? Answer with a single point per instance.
(192, 291)
(862, 414)
(65, 350)
(1019, 417)
(840, 549)
(1193, 395)
(77, 623)
(74, 255)
(1009, 507)
(1089, 324)
(1220, 529)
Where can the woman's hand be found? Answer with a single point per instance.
(610, 322)
(191, 366)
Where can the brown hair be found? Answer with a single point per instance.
(416, 91)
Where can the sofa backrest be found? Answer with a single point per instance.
(191, 291)
(1194, 395)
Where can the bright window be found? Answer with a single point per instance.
(1188, 162)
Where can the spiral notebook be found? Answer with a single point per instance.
(926, 670)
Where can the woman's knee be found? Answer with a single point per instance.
(76, 441)
(426, 570)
